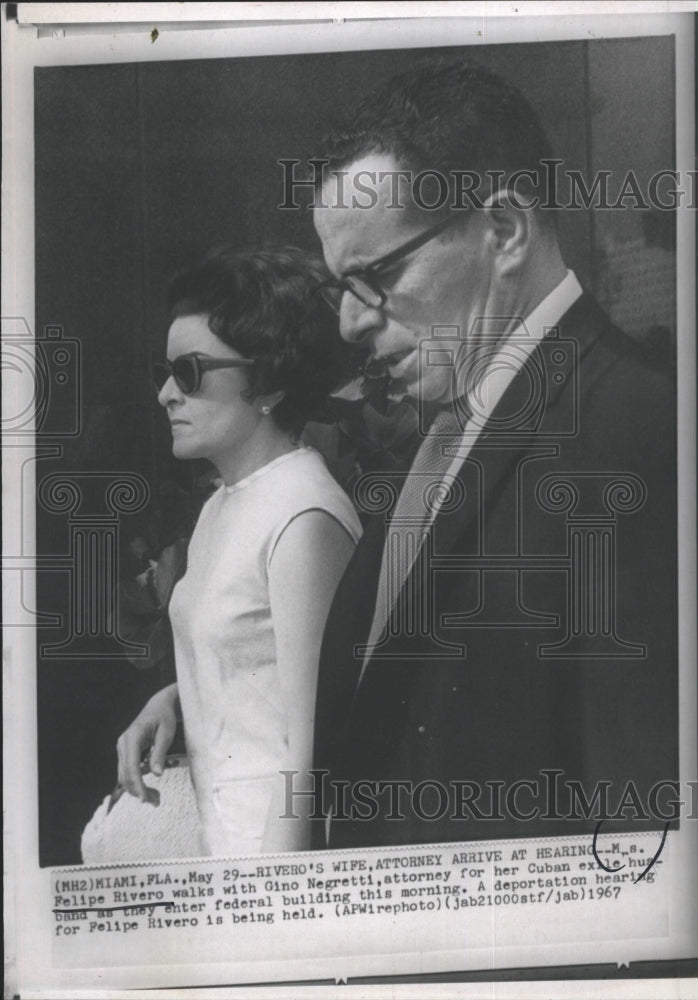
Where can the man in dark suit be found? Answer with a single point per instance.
(500, 659)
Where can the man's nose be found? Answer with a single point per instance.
(356, 319)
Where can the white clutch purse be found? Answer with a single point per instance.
(124, 829)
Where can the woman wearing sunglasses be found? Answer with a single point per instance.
(249, 357)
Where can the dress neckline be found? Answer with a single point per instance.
(258, 473)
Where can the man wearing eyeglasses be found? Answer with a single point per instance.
(503, 643)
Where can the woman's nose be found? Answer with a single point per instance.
(356, 319)
(169, 393)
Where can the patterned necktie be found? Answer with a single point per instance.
(424, 489)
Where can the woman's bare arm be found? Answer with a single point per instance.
(306, 567)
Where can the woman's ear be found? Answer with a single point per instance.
(265, 404)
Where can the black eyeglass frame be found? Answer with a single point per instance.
(367, 276)
(163, 370)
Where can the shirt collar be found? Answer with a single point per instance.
(553, 307)
(511, 356)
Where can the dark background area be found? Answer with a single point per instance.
(142, 167)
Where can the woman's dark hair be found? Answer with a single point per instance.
(261, 303)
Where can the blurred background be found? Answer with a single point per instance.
(142, 167)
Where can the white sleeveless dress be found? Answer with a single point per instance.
(235, 716)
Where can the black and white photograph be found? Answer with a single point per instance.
(349, 497)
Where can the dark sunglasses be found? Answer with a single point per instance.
(363, 282)
(188, 369)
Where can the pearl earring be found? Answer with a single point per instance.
(266, 410)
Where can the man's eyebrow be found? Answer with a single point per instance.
(362, 262)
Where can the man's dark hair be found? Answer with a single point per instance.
(261, 303)
(444, 116)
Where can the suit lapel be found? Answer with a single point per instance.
(527, 414)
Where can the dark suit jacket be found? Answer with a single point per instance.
(563, 588)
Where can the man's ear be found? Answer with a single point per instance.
(510, 231)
